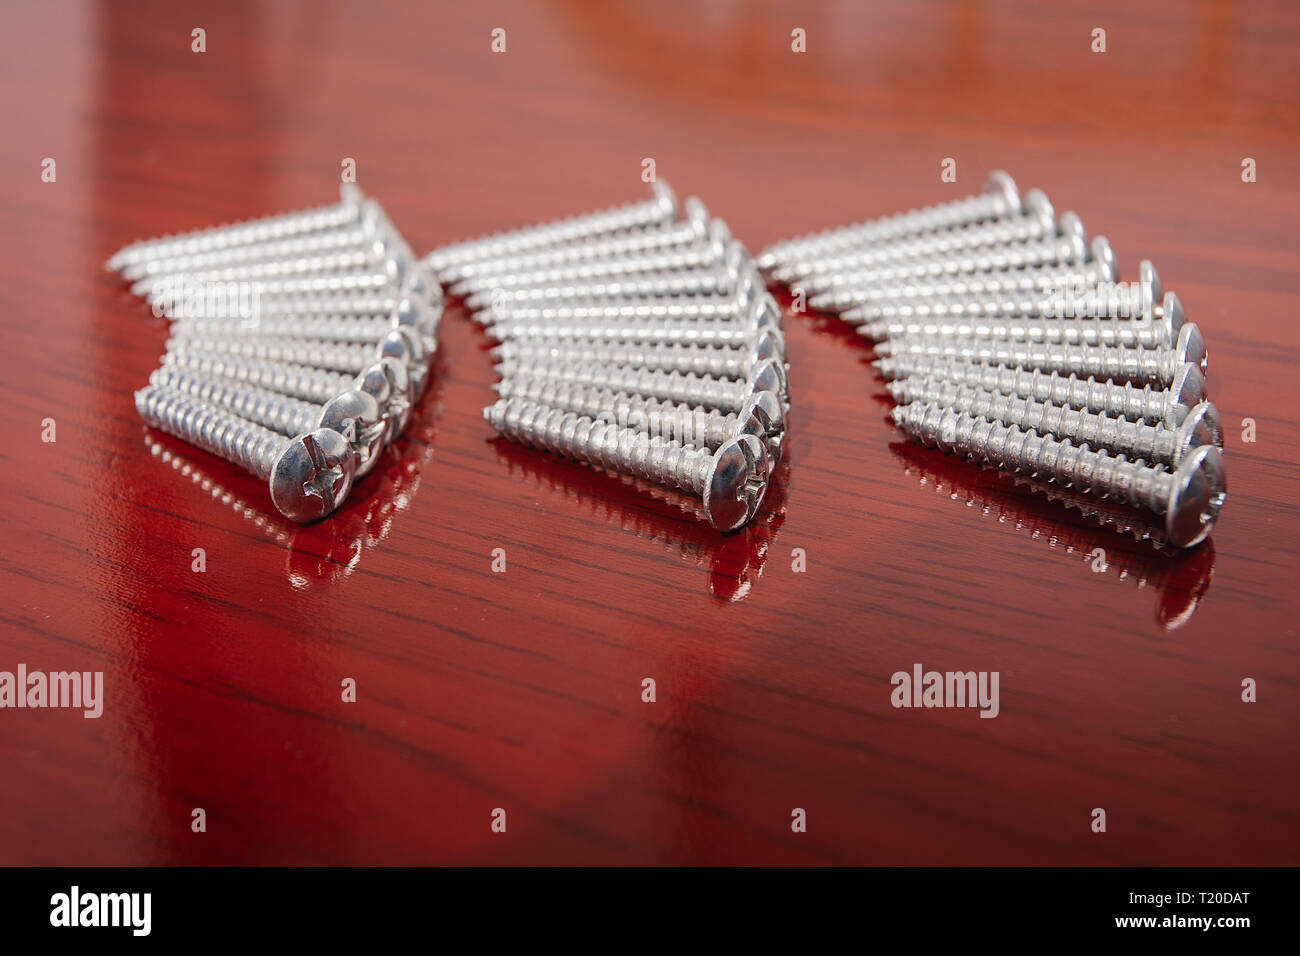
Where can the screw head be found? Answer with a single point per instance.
(1072, 231)
(1191, 347)
(769, 344)
(1172, 314)
(312, 475)
(697, 214)
(1000, 182)
(764, 417)
(404, 345)
(401, 398)
(1103, 256)
(1186, 391)
(736, 483)
(1201, 487)
(1200, 427)
(665, 196)
(1038, 206)
(1149, 281)
(416, 316)
(356, 416)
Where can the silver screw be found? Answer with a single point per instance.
(1038, 223)
(355, 415)
(726, 395)
(1099, 267)
(266, 229)
(1000, 198)
(1189, 498)
(327, 355)
(1150, 443)
(700, 307)
(694, 229)
(1072, 250)
(705, 255)
(309, 476)
(697, 282)
(700, 360)
(689, 425)
(1106, 300)
(1139, 334)
(659, 209)
(372, 227)
(732, 481)
(1147, 404)
(1139, 366)
(312, 384)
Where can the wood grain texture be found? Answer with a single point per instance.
(522, 690)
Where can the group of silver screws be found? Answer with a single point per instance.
(1006, 337)
(639, 340)
(298, 344)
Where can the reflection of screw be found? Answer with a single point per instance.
(1190, 498)
(309, 476)
(1147, 404)
(1100, 267)
(693, 229)
(1037, 223)
(732, 481)
(660, 208)
(1150, 443)
(1159, 332)
(1140, 366)
(1000, 198)
(266, 229)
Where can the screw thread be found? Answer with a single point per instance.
(1037, 279)
(293, 247)
(1139, 366)
(702, 333)
(1051, 252)
(965, 239)
(637, 243)
(337, 263)
(516, 356)
(1134, 439)
(322, 328)
(1144, 404)
(604, 445)
(624, 218)
(925, 219)
(686, 307)
(312, 384)
(1112, 333)
(327, 305)
(248, 231)
(685, 424)
(697, 390)
(281, 413)
(344, 357)
(1009, 448)
(716, 282)
(240, 442)
(315, 285)
(698, 256)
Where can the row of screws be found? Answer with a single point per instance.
(639, 340)
(1006, 337)
(313, 368)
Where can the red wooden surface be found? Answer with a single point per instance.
(521, 690)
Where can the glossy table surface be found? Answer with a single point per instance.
(1120, 672)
